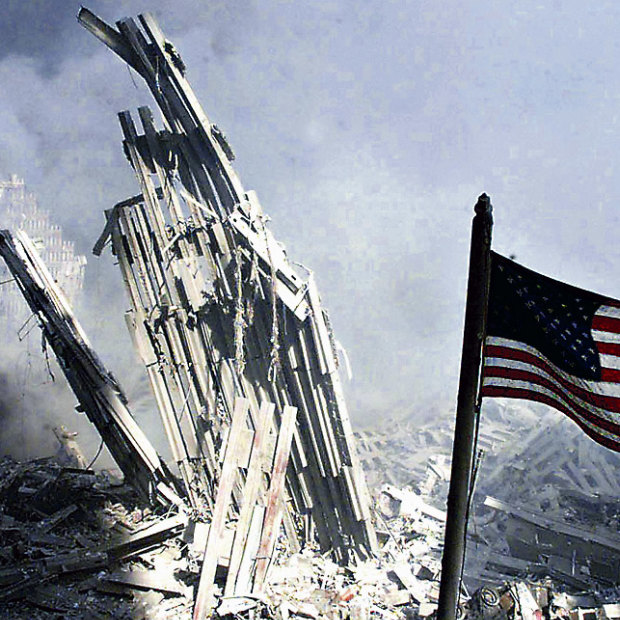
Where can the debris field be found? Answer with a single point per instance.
(265, 510)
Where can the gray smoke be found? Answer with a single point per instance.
(368, 131)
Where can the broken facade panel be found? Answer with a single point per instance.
(218, 311)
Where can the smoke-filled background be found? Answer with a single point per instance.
(368, 130)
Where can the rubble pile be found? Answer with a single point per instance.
(403, 453)
(80, 544)
(540, 508)
(83, 544)
(530, 600)
(401, 582)
(549, 508)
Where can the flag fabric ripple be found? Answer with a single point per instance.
(556, 344)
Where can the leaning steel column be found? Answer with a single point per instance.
(467, 410)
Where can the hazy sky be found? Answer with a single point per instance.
(368, 130)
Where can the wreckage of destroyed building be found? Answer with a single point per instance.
(237, 347)
(266, 482)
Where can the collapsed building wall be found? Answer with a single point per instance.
(236, 345)
(219, 312)
(99, 395)
(29, 406)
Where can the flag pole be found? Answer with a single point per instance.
(466, 410)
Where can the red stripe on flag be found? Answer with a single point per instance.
(496, 390)
(608, 348)
(610, 375)
(606, 324)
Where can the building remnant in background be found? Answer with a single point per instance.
(19, 210)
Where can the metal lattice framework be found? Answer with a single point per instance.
(218, 311)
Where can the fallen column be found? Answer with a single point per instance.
(99, 395)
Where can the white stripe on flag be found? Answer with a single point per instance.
(600, 336)
(568, 395)
(610, 311)
(609, 361)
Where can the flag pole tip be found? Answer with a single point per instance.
(483, 205)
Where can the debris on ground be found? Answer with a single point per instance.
(72, 538)
(83, 545)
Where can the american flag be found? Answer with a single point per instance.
(556, 344)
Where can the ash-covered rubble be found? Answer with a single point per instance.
(403, 452)
(538, 600)
(81, 544)
(78, 544)
(549, 504)
(546, 498)
(84, 545)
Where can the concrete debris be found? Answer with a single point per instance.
(72, 530)
(537, 601)
(72, 542)
(394, 585)
(540, 508)
(548, 508)
(65, 531)
(401, 453)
